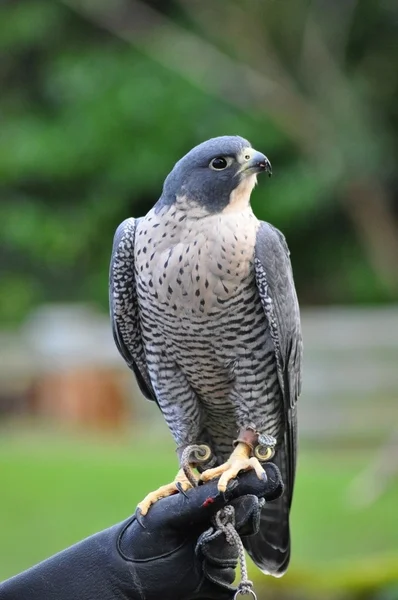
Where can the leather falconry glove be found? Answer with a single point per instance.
(177, 553)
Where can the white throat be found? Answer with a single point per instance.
(239, 199)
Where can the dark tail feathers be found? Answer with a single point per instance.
(270, 547)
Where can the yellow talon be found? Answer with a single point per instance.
(179, 483)
(240, 460)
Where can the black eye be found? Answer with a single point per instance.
(218, 163)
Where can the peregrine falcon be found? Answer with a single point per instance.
(204, 311)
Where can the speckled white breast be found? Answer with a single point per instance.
(191, 262)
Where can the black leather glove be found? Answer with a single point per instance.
(176, 554)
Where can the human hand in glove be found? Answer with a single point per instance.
(174, 553)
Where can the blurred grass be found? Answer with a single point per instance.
(57, 488)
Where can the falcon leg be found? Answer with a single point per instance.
(251, 449)
(180, 484)
(190, 457)
(240, 460)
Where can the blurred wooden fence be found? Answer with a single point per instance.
(63, 364)
(350, 371)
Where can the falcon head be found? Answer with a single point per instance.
(216, 175)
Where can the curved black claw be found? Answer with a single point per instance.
(231, 485)
(139, 517)
(181, 489)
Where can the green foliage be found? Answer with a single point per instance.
(92, 126)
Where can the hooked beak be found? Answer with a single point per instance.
(258, 163)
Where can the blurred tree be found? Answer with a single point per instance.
(100, 99)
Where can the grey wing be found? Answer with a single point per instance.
(270, 548)
(278, 296)
(124, 308)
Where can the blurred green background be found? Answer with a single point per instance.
(99, 99)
